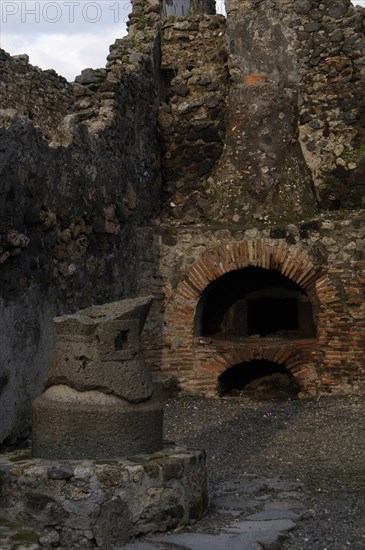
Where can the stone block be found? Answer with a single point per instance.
(68, 424)
(99, 349)
(99, 401)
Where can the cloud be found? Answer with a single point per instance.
(65, 35)
(67, 54)
(61, 16)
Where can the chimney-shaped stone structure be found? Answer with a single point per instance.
(99, 399)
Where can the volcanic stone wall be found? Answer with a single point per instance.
(192, 114)
(289, 147)
(69, 205)
(289, 118)
(43, 96)
(331, 44)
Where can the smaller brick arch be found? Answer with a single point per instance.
(288, 356)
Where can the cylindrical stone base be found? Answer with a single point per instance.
(68, 424)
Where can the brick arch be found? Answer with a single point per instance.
(291, 261)
(288, 356)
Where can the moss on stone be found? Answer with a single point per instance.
(25, 537)
(361, 150)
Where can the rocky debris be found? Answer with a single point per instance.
(274, 386)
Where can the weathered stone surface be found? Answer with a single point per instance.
(99, 349)
(99, 399)
(20, 81)
(113, 525)
(62, 168)
(68, 424)
(274, 514)
(103, 503)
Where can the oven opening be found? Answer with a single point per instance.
(254, 302)
(258, 379)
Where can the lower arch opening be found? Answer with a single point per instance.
(260, 379)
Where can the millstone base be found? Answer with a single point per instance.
(101, 504)
(68, 424)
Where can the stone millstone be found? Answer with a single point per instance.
(99, 401)
(68, 424)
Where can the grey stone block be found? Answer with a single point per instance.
(99, 349)
(113, 525)
(68, 424)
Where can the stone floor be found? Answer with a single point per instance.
(247, 515)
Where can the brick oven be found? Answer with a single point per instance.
(254, 307)
(257, 255)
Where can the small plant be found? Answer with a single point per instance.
(141, 22)
(345, 155)
(361, 150)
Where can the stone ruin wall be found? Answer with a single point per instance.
(75, 190)
(283, 71)
(42, 96)
(69, 203)
(192, 113)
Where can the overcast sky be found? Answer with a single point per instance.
(65, 35)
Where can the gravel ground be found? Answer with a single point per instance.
(320, 443)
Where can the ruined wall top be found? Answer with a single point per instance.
(43, 96)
